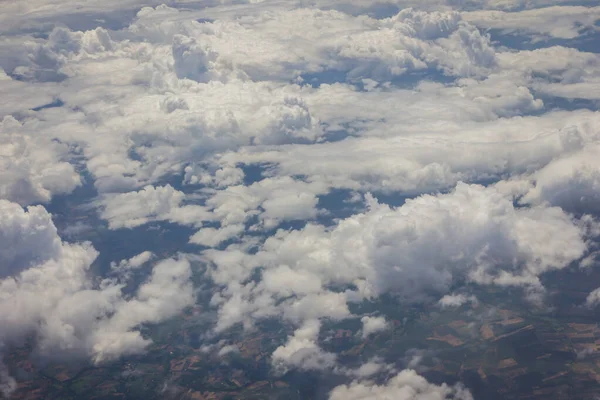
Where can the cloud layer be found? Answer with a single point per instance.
(325, 153)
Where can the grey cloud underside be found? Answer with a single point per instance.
(237, 120)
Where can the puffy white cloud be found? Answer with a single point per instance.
(301, 351)
(124, 268)
(285, 281)
(28, 237)
(593, 299)
(32, 168)
(370, 368)
(393, 153)
(476, 231)
(456, 300)
(311, 274)
(372, 325)
(407, 385)
(571, 182)
(212, 237)
(46, 290)
(425, 98)
(272, 199)
(564, 22)
(258, 46)
(165, 294)
(128, 210)
(140, 259)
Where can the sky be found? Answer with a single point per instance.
(320, 153)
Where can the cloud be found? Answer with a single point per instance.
(372, 325)
(8, 384)
(571, 182)
(301, 351)
(311, 274)
(563, 22)
(132, 209)
(257, 46)
(393, 154)
(371, 97)
(47, 291)
(124, 268)
(456, 300)
(497, 246)
(593, 299)
(212, 237)
(407, 385)
(164, 295)
(33, 168)
(128, 210)
(370, 368)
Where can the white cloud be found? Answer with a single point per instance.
(593, 299)
(456, 300)
(258, 46)
(425, 98)
(285, 282)
(478, 234)
(396, 154)
(212, 237)
(476, 231)
(407, 385)
(373, 325)
(564, 22)
(46, 290)
(124, 268)
(272, 199)
(32, 168)
(227, 350)
(370, 368)
(571, 182)
(165, 294)
(128, 210)
(301, 351)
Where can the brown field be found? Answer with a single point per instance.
(486, 332)
(525, 328)
(450, 339)
(457, 324)
(507, 363)
(512, 321)
(563, 373)
(583, 327)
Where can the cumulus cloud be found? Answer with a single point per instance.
(124, 268)
(564, 22)
(376, 96)
(47, 291)
(571, 182)
(402, 156)
(372, 325)
(456, 300)
(476, 231)
(370, 368)
(132, 209)
(593, 299)
(301, 351)
(32, 168)
(361, 47)
(407, 385)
